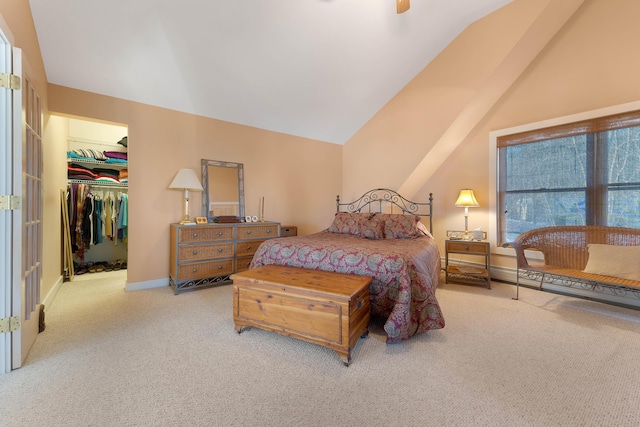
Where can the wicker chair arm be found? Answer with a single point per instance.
(521, 259)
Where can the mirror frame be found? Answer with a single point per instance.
(206, 163)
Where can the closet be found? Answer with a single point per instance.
(96, 198)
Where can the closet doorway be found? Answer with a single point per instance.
(96, 197)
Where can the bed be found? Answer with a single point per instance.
(379, 235)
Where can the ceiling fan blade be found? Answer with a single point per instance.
(402, 6)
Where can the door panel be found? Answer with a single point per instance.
(31, 181)
(5, 215)
(16, 229)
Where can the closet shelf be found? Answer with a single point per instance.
(90, 162)
(97, 183)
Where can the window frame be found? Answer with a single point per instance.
(527, 131)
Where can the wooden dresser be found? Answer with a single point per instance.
(207, 254)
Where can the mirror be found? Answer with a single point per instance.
(223, 184)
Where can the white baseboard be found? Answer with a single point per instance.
(508, 275)
(135, 286)
(147, 284)
(48, 300)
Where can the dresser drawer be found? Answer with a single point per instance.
(467, 247)
(204, 234)
(200, 252)
(243, 263)
(245, 232)
(200, 270)
(247, 248)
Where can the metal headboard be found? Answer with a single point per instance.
(381, 199)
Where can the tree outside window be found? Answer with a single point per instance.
(585, 173)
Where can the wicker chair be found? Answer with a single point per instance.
(566, 254)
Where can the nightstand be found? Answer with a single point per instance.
(463, 273)
(288, 230)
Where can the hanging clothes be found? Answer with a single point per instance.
(85, 225)
(108, 214)
(123, 220)
(95, 217)
(78, 223)
(97, 220)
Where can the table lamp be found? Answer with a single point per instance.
(466, 200)
(186, 179)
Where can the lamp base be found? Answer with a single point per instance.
(187, 220)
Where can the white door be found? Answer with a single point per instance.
(21, 213)
(28, 184)
(5, 215)
(11, 212)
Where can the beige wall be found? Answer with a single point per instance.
(298, 178)
(588, 64)
(17, 24)
(54, 179)
(442, 98)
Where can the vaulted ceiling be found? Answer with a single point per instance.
(318, 69)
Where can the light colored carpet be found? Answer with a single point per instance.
(150, 358)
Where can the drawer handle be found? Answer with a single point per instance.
(268, 231)
(195, 270)
(466, 248)
(195, 235)
(220, 233)
(220, 250)
(219, 267)
(195, 252)
(248, 232)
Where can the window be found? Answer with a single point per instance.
(581, 173)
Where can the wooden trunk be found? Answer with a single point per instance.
(326, 308)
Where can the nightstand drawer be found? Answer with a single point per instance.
(468, 247)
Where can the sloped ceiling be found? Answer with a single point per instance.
(318, 69)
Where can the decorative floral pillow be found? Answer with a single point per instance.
(399, 226)
(357, 224)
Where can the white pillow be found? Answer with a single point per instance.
(423, 228)
(615, 261)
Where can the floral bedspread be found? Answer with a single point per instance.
(404, 272)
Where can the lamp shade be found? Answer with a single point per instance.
(186, 179)
(466, 199)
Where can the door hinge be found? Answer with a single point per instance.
(10, 203)
(10, 81)
(9, 324)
